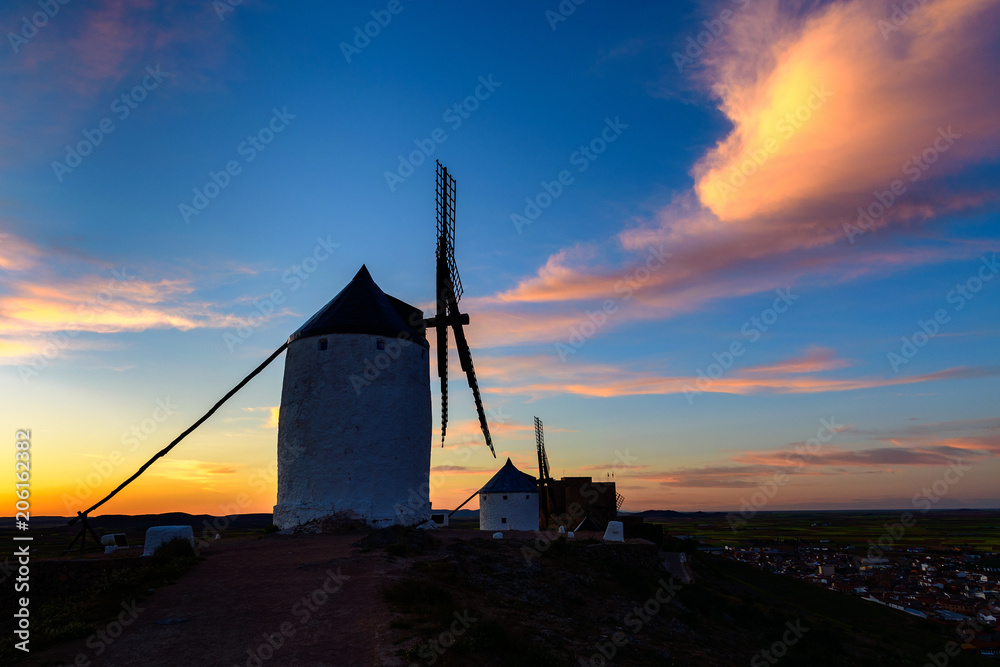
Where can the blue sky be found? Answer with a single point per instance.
(87, 355)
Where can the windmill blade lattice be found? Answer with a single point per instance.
(449, 291)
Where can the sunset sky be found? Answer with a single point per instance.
(692, 236)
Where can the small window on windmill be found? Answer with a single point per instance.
(505, 497)
(322, 343)
(380, 344)
(503, 520)
(527, 497)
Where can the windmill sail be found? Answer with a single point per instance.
(449, 291)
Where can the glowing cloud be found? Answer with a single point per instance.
(545, 375)
(827, 106)
(50, 293)
(827, 113)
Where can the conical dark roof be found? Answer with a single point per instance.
(363, 308)
(510, 480)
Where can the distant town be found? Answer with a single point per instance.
(952, 580)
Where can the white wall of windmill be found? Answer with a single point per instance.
(517, 509)
(354, 431)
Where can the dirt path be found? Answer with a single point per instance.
(318, 589)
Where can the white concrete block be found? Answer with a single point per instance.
(615, 532)
(158, 535)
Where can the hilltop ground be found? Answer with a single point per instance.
(456, 597)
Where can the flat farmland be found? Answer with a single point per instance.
(963, 530)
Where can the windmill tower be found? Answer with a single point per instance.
(359, 442)
(353, 446)
(509, 500)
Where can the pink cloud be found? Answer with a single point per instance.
(875, 103)
(58, 293)
(786, 225)
(543, 375)
(815, 359)
(67, 74)
(746, 470)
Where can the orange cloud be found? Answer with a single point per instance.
(52, 293)
(814, 360)
(189, 470)
(924, 447)
(875, 104)
(826, 107)
(545, 375)
(16, 254)
(272, 415)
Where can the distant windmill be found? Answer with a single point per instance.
(545, 504)
(568, 500)
(360, 449)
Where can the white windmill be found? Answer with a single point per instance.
(363, 447)
(360, 448)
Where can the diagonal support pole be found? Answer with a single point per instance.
(83, 515)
